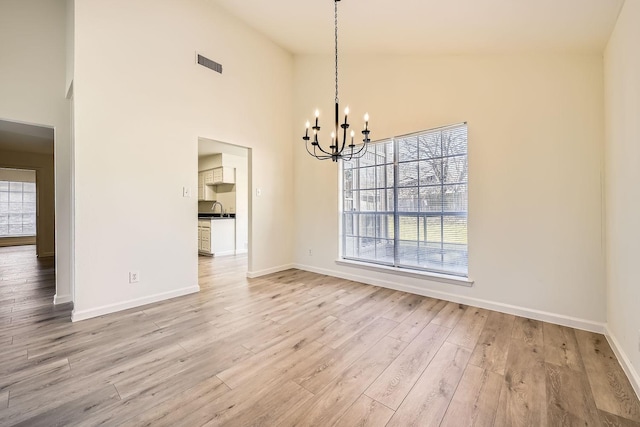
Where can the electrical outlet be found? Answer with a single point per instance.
(134, 277)
(310, 252)
(258, 192)
(186, 192)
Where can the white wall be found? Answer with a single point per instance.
(535, 148)
(622, 153)
(140, 104)
(32, 90)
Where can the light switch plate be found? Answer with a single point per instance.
(186, 192)
(258, 192)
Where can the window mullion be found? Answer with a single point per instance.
(396, 220)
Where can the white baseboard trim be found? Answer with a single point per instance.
(61, 299)
(627, 367)
(557, 319)
(254, 274)
(77, 315)
(242, 251)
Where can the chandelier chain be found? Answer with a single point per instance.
(335, 3)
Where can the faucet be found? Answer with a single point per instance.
(213, 207)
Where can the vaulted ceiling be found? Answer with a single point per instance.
(432, 26)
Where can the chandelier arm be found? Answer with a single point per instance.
(321, 149)
(320, 156)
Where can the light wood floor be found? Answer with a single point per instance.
(294, 348)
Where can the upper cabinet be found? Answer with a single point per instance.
(209, 176)
(206, 193)
(223, 175)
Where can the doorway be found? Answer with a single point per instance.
(224, 209)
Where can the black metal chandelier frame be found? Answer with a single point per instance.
(338, 149)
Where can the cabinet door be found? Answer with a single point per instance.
(217, 175)
(201, 186)
(206, 246)
(199, 238)
(209, 177)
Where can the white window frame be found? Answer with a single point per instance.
(22, 212)
(394, 266)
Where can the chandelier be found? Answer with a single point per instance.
(338, 148)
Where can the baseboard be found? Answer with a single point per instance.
(77, 315)
(46, 254)
(557, 319)
(62, 299)
(254, 274)
(624, 361)
(241, 251)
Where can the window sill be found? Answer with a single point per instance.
(437, 277)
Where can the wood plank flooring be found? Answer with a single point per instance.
(294, 348)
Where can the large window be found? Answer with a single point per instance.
(405, 202)
(17, 209)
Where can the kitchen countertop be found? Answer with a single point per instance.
(216, 216)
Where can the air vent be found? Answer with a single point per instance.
(206, 62)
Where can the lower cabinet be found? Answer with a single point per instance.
(217, 236)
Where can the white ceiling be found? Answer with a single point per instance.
(432, 26)
(24, 137)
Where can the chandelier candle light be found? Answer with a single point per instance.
(336, 150)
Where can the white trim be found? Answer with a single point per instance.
(437, 277)
(242, 251)
(558, 319)
(77, 315)
(254, 274)
(624, 361)
(62, 299)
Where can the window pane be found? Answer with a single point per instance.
(408, 199)
(454, 141)
(15, 197)
(384, 251)
(431, 199)
(368, 177)
(15, 186)
(408, 174)
(454, 169)
(408, 148)
(29, 197)
(430, 171)
(430, 145)
(29, 187)
(4, 196)
(381, 177)
(4, 185)
(455, 198)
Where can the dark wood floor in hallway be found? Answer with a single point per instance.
(294, 348)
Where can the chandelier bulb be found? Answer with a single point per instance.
(317, 113)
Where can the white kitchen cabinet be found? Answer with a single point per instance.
(206, 193)
(224, 175)
(217, 237)
(209, 177)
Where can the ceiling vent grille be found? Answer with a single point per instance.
(206, 62)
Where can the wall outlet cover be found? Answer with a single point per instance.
(134, 277)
